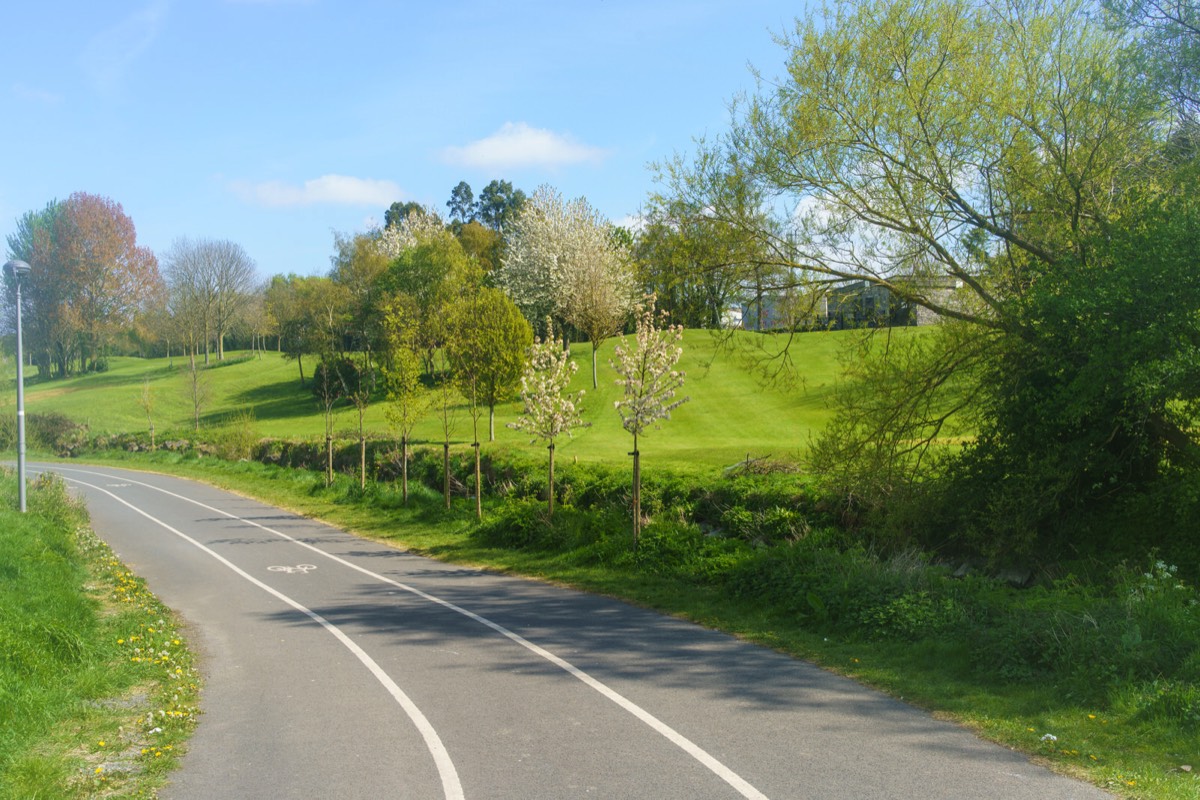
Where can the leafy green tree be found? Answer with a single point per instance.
(434, 271)
(360, 264)
(398, 212)
(461, 203)
(500, 204)
(481, 244)
(898, 130)
(308, 310)
(1169, 34)
(90, 278)
(487, 346)
(491, 342)
(408, 399)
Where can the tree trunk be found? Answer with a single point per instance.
(404, 469)
(551, 449)
(595, 347)
(446, 471)
(362, 451)
(491, 423)
(328, 460)
(478, 486)
(637, 494)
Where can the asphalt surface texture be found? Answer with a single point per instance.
(336, 667)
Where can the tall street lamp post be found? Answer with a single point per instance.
(19, 269)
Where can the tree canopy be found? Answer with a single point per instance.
(1002, 165)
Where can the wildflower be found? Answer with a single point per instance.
(1049, 737)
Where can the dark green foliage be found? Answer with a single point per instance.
(54, 432)
(1094, 402)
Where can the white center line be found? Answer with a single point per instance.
(742, 786)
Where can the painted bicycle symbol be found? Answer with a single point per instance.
(301, 568)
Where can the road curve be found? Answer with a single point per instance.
(340, 668)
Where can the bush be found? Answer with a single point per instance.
(55, 432)
(237, 438)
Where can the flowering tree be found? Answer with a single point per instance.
(550, 410)
(650, 381)
(563, 261)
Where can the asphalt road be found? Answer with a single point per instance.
(339, 668)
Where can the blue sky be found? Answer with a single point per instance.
(273, 123)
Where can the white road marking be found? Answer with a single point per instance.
(742, 786)
(303, 569)
(451, 786)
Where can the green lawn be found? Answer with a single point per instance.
(730, 414)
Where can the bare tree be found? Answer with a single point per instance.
(210, 282)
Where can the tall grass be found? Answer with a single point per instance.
(76, 635)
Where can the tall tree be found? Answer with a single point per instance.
(500, 204)
(234, 280)
(49, 334)
(109, 275)
(398, 212)
(461, 204)
(90, 278)
(897, 131)
(359, 264)
(1169, 32)
(490, 343)
(214, 279)
(408, 399)
(563, 261)
(481, 244)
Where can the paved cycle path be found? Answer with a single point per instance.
(336, 667)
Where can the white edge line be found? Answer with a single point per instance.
(723, 772)
(451, 785)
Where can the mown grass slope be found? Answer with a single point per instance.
(732, 412)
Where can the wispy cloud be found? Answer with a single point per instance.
(35, 95)
(110, 53)
(520, 145)
(325, 190)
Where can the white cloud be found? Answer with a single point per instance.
(110, 53)
(519, 145)
(325, 190)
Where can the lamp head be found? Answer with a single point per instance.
(17, 268)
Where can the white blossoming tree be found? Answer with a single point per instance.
(650, 381)
(562, 260)
(549, 409)
(393, 240)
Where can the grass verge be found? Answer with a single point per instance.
(97, 688)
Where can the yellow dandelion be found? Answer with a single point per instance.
(102, 743)
(99, 770)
